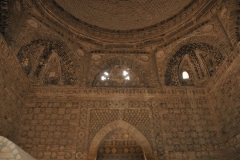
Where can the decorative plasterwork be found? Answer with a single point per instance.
(4, 15)
(47, 62)
(234, 22)
(205, 60)
(141, 72)
(122, 14)
(120, 143)
(140, 138)
(160, 30)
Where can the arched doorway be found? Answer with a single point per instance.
(119, 144)
(120, 135)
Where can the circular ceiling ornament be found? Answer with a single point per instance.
(96, 57)
(144, 58)
(80, 52)
(32, 23)
(159, 54)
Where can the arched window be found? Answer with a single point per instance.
(113, 75)
(105, 76)
(185, 75)
(116, 75)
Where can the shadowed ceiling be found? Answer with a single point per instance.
(123, 14)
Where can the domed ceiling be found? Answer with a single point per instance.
(123, 14)
(139, 22)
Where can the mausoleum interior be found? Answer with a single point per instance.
(120, 79)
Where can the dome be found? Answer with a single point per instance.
(122, 14)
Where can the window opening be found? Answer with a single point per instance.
(185, 75)
(115, 75)
(105, 76)
(125, 73)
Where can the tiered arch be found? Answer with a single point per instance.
(47, 62)
(145, 77)
(140, 138)
(204, 60)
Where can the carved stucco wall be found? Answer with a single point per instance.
(65, 111)
(176, 123)
(13, 87)
(226, 102)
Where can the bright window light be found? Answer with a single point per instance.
(106, 73)
(185, 75)
(127, 78)
(125, 73)
(103, 78)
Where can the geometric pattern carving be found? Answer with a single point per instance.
(178, 127)
(119, 144)
(204, 60)
(139, 118)
(47, 62)
(48, 130)
(188, 128)
(117, 76)
(142, 76)
(64, 122)
(158, 130)
(227, 108)
(233, 22)
(4, 15)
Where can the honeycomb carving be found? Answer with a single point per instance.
(117, 76)
(141, 77)
(4, 15)
(140, 14)
(227, 107)
(48, 62)
(203, 61)
(135, 117)
(234, 21)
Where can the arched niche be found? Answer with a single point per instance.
(47, 62)
(120, 144)
(202, 60)
(144, 77)
(139, 137)
(52, 71)
(186, 74)
(117, 76)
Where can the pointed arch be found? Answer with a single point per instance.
(172, 72)
(146, 76)
(52, 73)
(34, 69)
(185, 75)
(187, 66)
(140, 138)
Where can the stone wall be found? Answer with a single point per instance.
(178, 123)
(69, 110)
(13, 86)
(226, 104)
